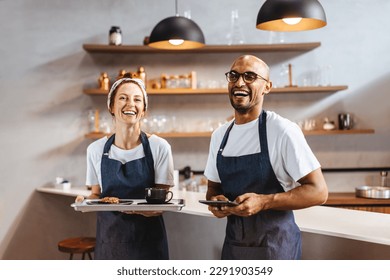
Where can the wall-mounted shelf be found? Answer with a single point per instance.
(100, 48)
(356, 169)
(291, 47)
(338, 132)
(203, 91)
(97, 135)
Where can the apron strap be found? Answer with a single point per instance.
(108, 144)
(148, 152)
(225, 138)
(263, 133)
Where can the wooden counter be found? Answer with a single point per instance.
(350, 201)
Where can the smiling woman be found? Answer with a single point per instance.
(122, 166)
(129, 105)
(125, 80)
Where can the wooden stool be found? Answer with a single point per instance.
(78, 245)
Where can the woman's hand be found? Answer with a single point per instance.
(95, 194)
(79, 198)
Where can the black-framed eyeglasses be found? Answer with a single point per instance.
(249, 77)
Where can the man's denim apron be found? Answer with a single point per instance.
(123, 236)
(269, 234)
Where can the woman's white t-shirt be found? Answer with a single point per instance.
(161, 152)
(290, 155)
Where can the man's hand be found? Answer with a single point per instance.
(219, 212)
(249, 204)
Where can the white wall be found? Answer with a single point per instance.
(43, 111)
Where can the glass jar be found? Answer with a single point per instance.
(115, 36)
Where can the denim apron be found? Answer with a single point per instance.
(121, 236)
(269, 234)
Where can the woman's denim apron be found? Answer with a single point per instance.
(269, 234)
(123, 236)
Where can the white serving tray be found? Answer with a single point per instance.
(91, 205)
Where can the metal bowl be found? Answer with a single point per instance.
(373, 192)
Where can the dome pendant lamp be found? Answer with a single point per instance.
(291, 15)
(176, 33)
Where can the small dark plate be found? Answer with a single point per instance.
(121, 202)
(153, 203)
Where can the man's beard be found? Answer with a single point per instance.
(239, 108)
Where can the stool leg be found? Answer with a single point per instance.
(83, 256)
(89, 255)
(71, 256)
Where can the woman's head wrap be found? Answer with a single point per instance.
(119, 82)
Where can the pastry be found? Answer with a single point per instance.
(110, 200)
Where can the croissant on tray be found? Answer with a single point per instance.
(110, 200)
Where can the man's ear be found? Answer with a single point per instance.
(268, 88)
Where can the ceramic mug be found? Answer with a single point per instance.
(158, 196)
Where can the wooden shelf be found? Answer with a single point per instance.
(338, 132)
(95, 91)
(181, 91)
(319, 89)
(210, 91)
(356, 169)
(97, 135)
(100, 48)
(185, 134)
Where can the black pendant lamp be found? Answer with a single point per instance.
(291, 15)
(176, 33)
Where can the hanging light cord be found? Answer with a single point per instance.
(177, 14)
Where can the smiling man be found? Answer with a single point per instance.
(263, 162)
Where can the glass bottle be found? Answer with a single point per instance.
(236, 36)
(383, 178)
(93, 120)
(283, 80)
(104, 125)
